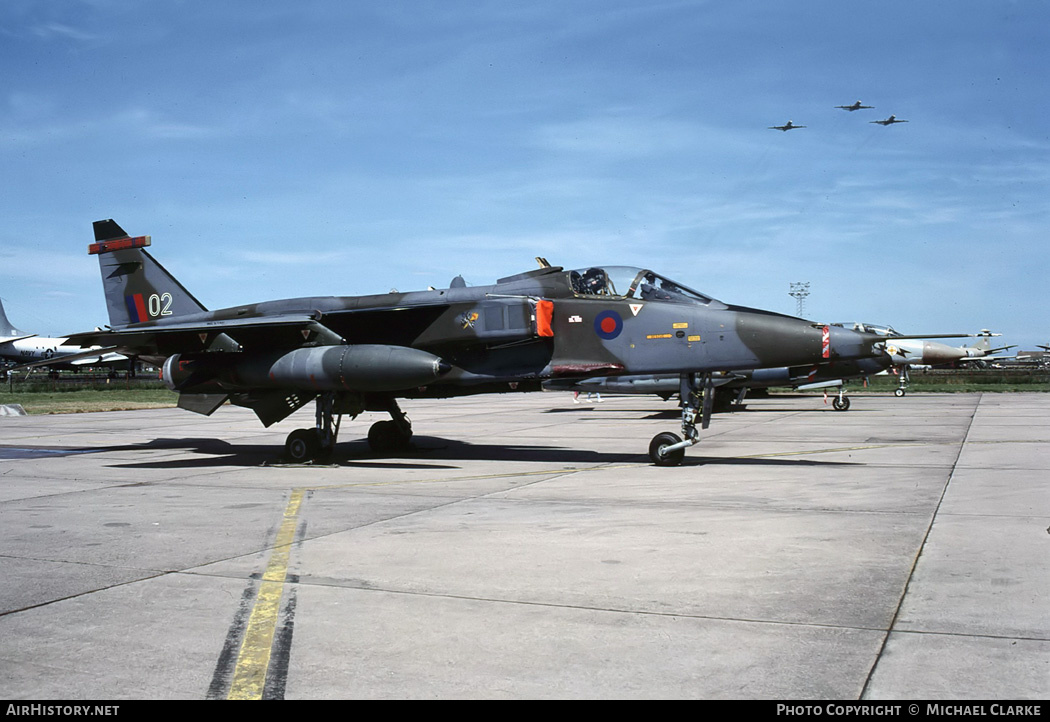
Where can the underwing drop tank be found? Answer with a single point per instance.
(358, 367)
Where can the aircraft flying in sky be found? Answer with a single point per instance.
(17, 347)
(787, 126)
(854, 106)
(350, 354)
(888, 121)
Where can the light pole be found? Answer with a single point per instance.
(799, 291)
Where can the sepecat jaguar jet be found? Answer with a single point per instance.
(351, 354)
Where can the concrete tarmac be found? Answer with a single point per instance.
(526, 548)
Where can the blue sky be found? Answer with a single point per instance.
(277, 149)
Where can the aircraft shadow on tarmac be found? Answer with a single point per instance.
(424, 452)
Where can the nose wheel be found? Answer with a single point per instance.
(841, 402)
(905, 378)
(698, 397)
(658, 449)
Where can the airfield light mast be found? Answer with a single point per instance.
(799, 291)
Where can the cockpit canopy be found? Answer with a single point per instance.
(875, 328)
(628, 282)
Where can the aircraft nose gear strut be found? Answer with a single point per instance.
(904, 378)
(698, 396)
(841, 403)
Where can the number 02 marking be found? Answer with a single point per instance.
(160, 305)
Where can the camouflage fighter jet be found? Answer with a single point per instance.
(350, 354)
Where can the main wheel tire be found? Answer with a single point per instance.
(661, 442)
(385, 436)
(302, 445)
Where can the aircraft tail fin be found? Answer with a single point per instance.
(6, 329)
(137, 287)
(982, 345)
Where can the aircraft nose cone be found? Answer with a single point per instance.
(844, 343)
(939, 353)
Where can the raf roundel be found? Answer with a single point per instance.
(608, 325)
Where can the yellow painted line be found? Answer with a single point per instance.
(253, 662)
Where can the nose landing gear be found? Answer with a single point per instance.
(698, 396)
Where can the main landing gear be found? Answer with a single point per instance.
(317, 444)
(698, 395)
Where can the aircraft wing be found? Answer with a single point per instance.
(918, 336)
(390, 325)
(985, 359)
(247, 332)
(12, 339)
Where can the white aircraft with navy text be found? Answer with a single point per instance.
(18, 347)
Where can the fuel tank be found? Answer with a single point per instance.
(357, 367)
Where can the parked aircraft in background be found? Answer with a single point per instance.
(18, 347)
(907, 352)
